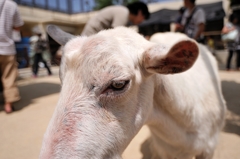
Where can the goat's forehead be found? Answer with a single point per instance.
(80, 46)
(97, 50)
(99, 57)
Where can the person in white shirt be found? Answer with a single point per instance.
(113, 16)
(232, 46)
(9, 19)
(193, 21)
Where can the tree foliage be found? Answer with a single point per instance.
(125, 2)
(99, 4)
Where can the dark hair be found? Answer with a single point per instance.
(136, 6)
(192, 1)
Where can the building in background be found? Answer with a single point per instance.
(69, 15)
(163, 19)
(235, 7)
(72, 15)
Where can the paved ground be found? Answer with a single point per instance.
(21, 132)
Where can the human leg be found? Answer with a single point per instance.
(230, 54)
(238, 60)
(8, 76)
(35, 64)
(45, 65)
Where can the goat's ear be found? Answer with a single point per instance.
(168, 60)
(59, 35)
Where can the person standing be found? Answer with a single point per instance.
(232, 46)
(9, 19)
(193, 21)
(238, 47)
(113, 16)
(38, 47)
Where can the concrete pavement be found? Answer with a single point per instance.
(21, 132)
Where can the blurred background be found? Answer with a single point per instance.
(21, 132)
(72, 15)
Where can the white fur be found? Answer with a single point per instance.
(184, 111)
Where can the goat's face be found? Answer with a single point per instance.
(106, 95)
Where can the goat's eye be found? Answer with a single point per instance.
(116, 88)
(119, 85)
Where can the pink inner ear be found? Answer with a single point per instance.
(180, 58)
(185, 49)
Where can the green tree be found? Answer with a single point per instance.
(126, 2)
(102, 3)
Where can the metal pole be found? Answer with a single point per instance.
(34, 4)
(57, 1)
(87, 5)
(82, 6)
(46, 4)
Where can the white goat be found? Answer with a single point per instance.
(114, 82)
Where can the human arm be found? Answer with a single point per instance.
(178, 27)
(227, 29)
(201, 28)
(200, 21)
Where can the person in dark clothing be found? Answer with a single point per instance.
(232, 46)
(38, 46)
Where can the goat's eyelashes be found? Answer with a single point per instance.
(116, 88)
(118, 85)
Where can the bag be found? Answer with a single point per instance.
(230, 37)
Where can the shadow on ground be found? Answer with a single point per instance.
(145, 149)
(32, 91)
(231, 92)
